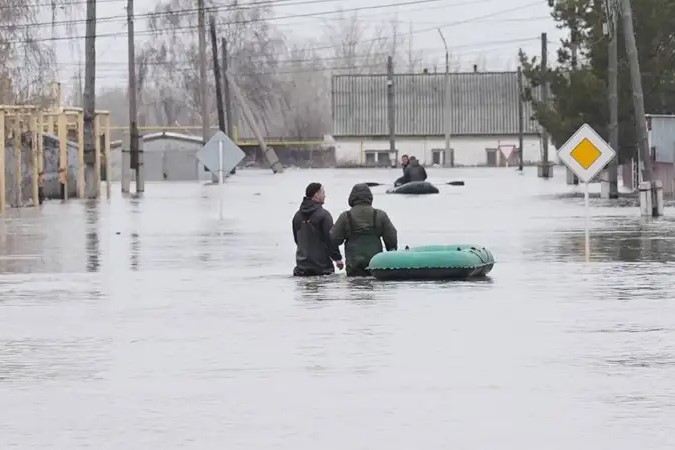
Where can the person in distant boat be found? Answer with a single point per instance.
(404, 163)
(315, 251)
(362, 229)
(414, 172)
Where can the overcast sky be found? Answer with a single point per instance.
(493, 29)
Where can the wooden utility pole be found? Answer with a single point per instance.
(3, 199)
(520, 118)
(89, 103)
(390, 106)
(228, 101)
(136, 160)
(545, 169)
(572, 178)
(226, 86)
(636, 82)
(613, 98)
(447, 119)
(201, 25)
(216, 76)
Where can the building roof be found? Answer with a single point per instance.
(173, 136)
(482, 103)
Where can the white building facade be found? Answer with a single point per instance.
(484, 128)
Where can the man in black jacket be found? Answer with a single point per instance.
(311, 231)
(404, 163)
(414, 172)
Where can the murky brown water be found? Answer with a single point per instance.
(152, 324)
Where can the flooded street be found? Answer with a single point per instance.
(151, 323)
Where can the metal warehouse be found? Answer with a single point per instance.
(483, 114)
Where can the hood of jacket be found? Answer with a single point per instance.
(360, 195)
(309, 206)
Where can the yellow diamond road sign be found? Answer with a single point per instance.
(586, 153)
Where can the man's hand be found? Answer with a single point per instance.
(340, 264)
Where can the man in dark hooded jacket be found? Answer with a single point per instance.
(311, 231)
(362, 229)
(414, 172)
(404, 163)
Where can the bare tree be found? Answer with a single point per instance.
(286, 85)
(304, 99)
(27, 62)
(172, 56)
(360, 46)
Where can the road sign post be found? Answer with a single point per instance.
(586, 154)
(220, 177)
(210, 154)
(220, 155)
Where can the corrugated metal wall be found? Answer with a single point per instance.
(482, 103)
(662, 137)
(52, 185)
(168, 159)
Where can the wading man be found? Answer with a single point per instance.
(362, 229)
(311, 231)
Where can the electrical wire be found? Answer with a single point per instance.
(207, 10)
(247, 21)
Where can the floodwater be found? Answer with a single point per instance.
(152, 323)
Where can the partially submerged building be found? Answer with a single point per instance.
(171, 157)
(484, 125)
(661, 137)
(52, 187)
(167, 156)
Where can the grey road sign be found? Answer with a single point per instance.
(209, 154)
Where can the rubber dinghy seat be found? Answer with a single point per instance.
(415, 188)
(433, 262)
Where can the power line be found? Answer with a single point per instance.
(190, 69)
(451, 24)
(246, 21)
(326, 58)
(48, 4)
(188, 11)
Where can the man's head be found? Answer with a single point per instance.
(360, 195)
(316, 192)
(413, 161)
(404, 159)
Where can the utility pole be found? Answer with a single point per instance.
(390, 106)
(201, 25)
(228, 101)
(638, 97)
(544, 168)
(216, 76)
(226, 85)
(520, 118)
(571, 177)
(613, 98)
(447, 122)
(136, 162)
(89, 102)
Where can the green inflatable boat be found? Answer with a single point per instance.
(433, 262)
(415, 188)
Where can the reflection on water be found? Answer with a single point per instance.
(166, 327)
(134, 251)
(315, 288)
(43, 360)
(92, 239)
